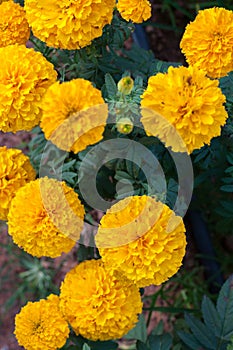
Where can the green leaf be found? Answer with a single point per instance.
(110, 86)
(225, 308)
(190, 341)
(102, 345)
(160, 342)
(211, 316)
(142, 346)
(139, 331)
(86, 347)
(201, 332)
(227, 188)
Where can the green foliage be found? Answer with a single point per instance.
(80, 343)
(216, 329)
(139, 332)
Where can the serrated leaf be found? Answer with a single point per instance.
(86, 347)
(227, 188)
(211, 316)
(190, 341)
(141, 346)
(139, 331)
(201, 332)
(225, 308)
(160, 342)
(110, 86)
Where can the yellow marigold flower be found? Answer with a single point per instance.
(136, 11)
(40, 325)
(14, 28)
(46, 218)
(69, 24)
(189, 101)
(25, 75)
(74, 115)
(97, 304)
(15, 171)
(208, 41)
(143, 239)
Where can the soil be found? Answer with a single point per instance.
(165, 45)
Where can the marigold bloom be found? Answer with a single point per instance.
(208, 41)
(189, 101)
(97, 304)
(74, 115)
(136, 11)
(41, 326)
(25, 75)
(68, 24)
(143, 239)
(15, 171)
(46, 218)
(14, 28)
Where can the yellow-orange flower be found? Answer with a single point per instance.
(41, 326)
(208, 41)
(25, 75)
(97, 304)
(46, 218)
(136, 11)
(14, 28)
(183, 102)
(15, 171)
(143, 239)
(74, 115)
(68, 24)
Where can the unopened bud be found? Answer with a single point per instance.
(124, 126)
(125, 85)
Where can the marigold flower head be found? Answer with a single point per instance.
(68, 24)
(208, 41)
(46, 218)
(74, 115)
(97, 304)
(40, 325)
(142, 239)
(15, 171)
(25, 75)
(136, 11)
(14, 28)
(188, 101)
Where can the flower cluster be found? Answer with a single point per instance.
(74, 115)
(97, 304)
(188, 103)
(41, 326)
(135, 11)
(25, 75)
(143, 239)
(207, 41)
(15, 172)
(68, 24)
(14, 28)
(54, 218)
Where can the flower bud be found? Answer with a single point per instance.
(125, 85)
(124, 126)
